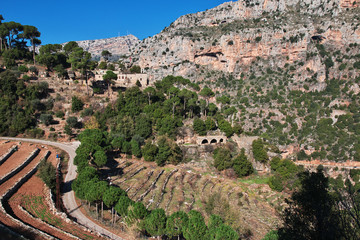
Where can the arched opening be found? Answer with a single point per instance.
(213, 141)
(221, 140)
(205, 141)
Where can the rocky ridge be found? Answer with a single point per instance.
(230, 37)
(116, 45)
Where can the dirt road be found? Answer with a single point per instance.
(69, 196)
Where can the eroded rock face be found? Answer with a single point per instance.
(233, 35)
(116, 45)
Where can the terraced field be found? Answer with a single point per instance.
(26, 206)
(248, 206)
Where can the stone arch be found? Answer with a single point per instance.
(213, 141)
(205, 141)
(221, 140)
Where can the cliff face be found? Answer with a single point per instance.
(230, 37)
(116, 45)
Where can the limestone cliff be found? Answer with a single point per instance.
(230, 37)
(116, 45)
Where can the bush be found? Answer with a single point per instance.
(258, 39)
(26, 78)
(35, 133)
(135, 69)
(259, 151)
(47, 173)
(77, 105)
(242, 166)
(23, 69)
(46, 119)
(276, 183)
(59, 114)
(357, 65)
(222, 159)
(102, 65)
(199, 127)
(72, 122)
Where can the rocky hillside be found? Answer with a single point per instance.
(116, 45)
(233, 35)
(290, 67)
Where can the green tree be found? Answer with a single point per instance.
(199, 127)
(196, 228)
(32, 33)
(143, 126)
(222, 159)
(70, 47)
(207, 93)
(210, 124)
(149, 151)
(135, 69)
(155, 222)
(80, 59)
(117, 143)
(226, 232)
(225, 127)
(100, 158)
(272, 235)
(135, 148)
(109, 77)
(310, 213)
(47, 173)
(111, 197)
(259, 151)
(76, 104)
(214, 223)
(136, 212)
(50, 56)
(122, 205)
(106, 54)
(176, 224)
(95, 192)
(10, 30)
(102, 65)
(164, 152)
(242, 166)
(46, 119)
(150, 92)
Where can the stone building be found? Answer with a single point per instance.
(124, 79)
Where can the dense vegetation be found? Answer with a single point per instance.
(20, 104)
(89, 186)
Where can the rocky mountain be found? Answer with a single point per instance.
(116, 45)
(232, 36)
(290, 67)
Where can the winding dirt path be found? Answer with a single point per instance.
(68, 196)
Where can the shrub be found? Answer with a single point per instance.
(222, 159)
(60, 114)
(259, 151)
(23, 68)
(77, 105)
(47, 173)
(46, 119)
(199, 127)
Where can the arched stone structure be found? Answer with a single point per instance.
(211, 140)
(205, 141)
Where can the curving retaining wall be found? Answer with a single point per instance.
(4, 157)
(10, 192)
(21, 166)
(47, 224)
(62, 215)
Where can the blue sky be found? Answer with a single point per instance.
(62, 21)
